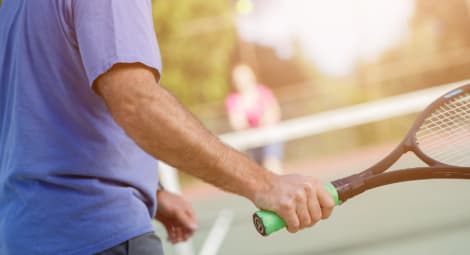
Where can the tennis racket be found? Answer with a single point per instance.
(440, 137)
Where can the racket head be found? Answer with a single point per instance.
(449, 115)
(440, 136)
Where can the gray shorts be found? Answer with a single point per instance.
(146, 244)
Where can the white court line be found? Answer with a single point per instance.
(169, 179)
(217, 233)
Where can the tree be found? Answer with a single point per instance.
(196, 41)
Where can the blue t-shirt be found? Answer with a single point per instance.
(71, 180)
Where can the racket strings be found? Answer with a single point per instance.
(451, 129)
(446, 124)
(449, 123)
(444, 150)
(445, 128)
(445, 133)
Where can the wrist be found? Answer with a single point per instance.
(260, 184)
(234, 172)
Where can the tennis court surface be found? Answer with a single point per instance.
(419, 217)
(424, 217)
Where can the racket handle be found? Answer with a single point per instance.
(267, 222)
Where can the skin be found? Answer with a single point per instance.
(162, 127)
(177, 215)
(244, 82)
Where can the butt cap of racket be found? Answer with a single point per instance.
(267, 222)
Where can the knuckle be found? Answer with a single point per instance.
(292, 222)
(294, 228)
(316, 217)
(308, 187)
(307, 222)
(299, 195)
(315, 181)
(287, 205)
(330, 204)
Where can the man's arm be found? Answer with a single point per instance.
(162, 127)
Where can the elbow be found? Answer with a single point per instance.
(127, 110)
(127, 90)
(125, 114)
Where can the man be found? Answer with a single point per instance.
(83, 118)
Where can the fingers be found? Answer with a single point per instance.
(326, 201)
(313, 204)
(177, 216)
(178, 234)
(289, 214)
(175, 235)
(182, 227)
(309, 210)
(303, 211)
(301, 201)
(172, 237)
(187, 220)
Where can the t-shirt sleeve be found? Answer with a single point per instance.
(115, 31)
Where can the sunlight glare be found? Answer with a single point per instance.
(333, 34)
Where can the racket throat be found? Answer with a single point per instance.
(351, 186)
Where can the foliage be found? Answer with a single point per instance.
(195, 59)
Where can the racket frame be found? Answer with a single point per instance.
(374, 176)
(267, 222)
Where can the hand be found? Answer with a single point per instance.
(176, 215)
(300, 201)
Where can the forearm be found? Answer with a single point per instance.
(163, 128)
(153, 118)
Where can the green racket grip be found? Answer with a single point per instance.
(267, 222)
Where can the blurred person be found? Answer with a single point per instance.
(253, 105)
(84, 118)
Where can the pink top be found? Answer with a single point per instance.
(254, 112)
